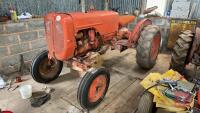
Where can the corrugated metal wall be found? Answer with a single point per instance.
(41, 7)
(125, 5)
(197, 11)
(98, 4)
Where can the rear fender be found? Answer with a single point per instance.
(135, 34)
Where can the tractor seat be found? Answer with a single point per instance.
(125, 19)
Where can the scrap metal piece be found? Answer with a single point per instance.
(40, 99)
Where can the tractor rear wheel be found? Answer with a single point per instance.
(148, 46)
(146, 104)
(180, 51)
(45, 70)
(93, 88)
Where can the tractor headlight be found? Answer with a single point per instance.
(58, 18)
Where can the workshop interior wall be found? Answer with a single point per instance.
(42, 7)
(23, 38)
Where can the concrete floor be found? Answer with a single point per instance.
(122, 96)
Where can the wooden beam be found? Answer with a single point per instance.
(106, 4)
(83, 6)
(143, 6)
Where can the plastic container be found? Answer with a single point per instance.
(26, 91)
(6, 112)
(2, 83)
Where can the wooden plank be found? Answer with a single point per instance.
(36, 110)
(126, 102)
(70, 95)
(114, 93)
(115, 78)
(125, 64)
(72, 98)
(60, 106)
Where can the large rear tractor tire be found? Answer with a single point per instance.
(93, 88)
(148, 46)
(45, 70)
(146, 104)
(181, 51)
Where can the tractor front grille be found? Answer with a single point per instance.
(59, 38)
(49, 34)
(55, 36)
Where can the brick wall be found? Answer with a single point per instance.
(26, 38)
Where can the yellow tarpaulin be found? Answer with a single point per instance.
(159, 98)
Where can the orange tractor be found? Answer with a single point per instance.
(72, 37)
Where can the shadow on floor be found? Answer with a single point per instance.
(139, 70)
(67, 77)
(114, 61)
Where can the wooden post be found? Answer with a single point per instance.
(83, 6)
(106, 5)
(143, 5)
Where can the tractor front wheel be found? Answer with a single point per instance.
(45, 70)
(148, 46)
(93, 88)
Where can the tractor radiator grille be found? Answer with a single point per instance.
(55, 36)
(58, 38)
(49, 34)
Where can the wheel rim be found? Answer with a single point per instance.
(155, 44)
(48, 68)
(97, 88)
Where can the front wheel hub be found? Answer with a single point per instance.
(45, 70)
(93, 87)
(48, 68)
(155, 45)
(97, 88)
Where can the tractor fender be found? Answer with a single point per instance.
(135, 34)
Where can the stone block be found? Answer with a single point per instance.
(28, 36)
(19, 48)
(8, 39)
(41, 33)
(28, 56)
(41, 43)
(10, 61)
(3, 51)
(15, 27)
(36, 24)
(1, 28)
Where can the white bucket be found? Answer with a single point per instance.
(26, 91)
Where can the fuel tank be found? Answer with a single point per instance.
(62, 28)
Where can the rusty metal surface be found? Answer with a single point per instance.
(62, 42)
(135, 34)
(126, 19)
(178, 25)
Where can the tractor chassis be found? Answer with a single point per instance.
(124, 39)
(95, 82)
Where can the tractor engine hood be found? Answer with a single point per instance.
(62, 28)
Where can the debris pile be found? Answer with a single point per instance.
(171, 91)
